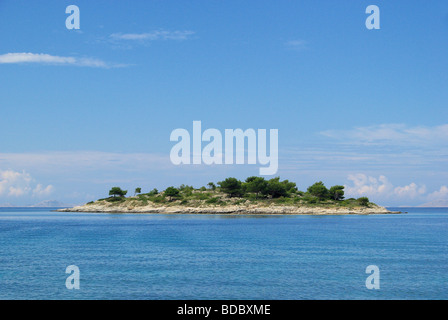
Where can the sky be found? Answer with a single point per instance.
(83, 110)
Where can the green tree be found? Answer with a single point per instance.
(211, 186)
(186, 188)
(231, 186)
(289, 186)
(275, 188)
(363, 201)
(318, 190)
(256, 185)
(336, 192)
(117, 192)
(137, 190)
(171, 193)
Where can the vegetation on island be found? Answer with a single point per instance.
(231, 191)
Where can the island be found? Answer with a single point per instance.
(255, 195)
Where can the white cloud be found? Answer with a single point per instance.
(14, 183)
(381, 187)
(441, 194)
(43, 58)
(154, 35)
(364, 185)
(17, 184)
(410, 191)
(41, 191)
(17, 191)
(397, 134)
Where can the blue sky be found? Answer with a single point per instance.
(95, 107)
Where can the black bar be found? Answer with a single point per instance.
(241, 309)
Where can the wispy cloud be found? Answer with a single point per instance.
(43, 58)
(397, 134)
(58, 162)
(153, 35)
(297, 45)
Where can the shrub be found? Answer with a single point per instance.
(153, 192)
(363, 201)
(144, 202)
(158, 199)
(283, 200)
(201, 196)
(185, 188)
(171, 193)
(213, 200)
(115, 199)
(310, 199)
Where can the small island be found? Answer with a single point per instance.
(255, 195)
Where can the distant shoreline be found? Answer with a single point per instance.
(229, 210)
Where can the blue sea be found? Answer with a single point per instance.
(125, 256)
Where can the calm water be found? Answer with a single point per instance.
(223, 257)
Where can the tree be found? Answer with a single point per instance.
(337, 193)
(211, 186)
(275, 188)
(363, 201)
(231, 186)
(318, 190)
(117, 192)
(137, 190)
(171, 192)
(256, 185)
(186, 188)
(289, 186)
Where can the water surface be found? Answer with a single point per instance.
(136, 256)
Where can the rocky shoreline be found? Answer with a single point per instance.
(230, 209)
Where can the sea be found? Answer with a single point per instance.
(223, 257)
